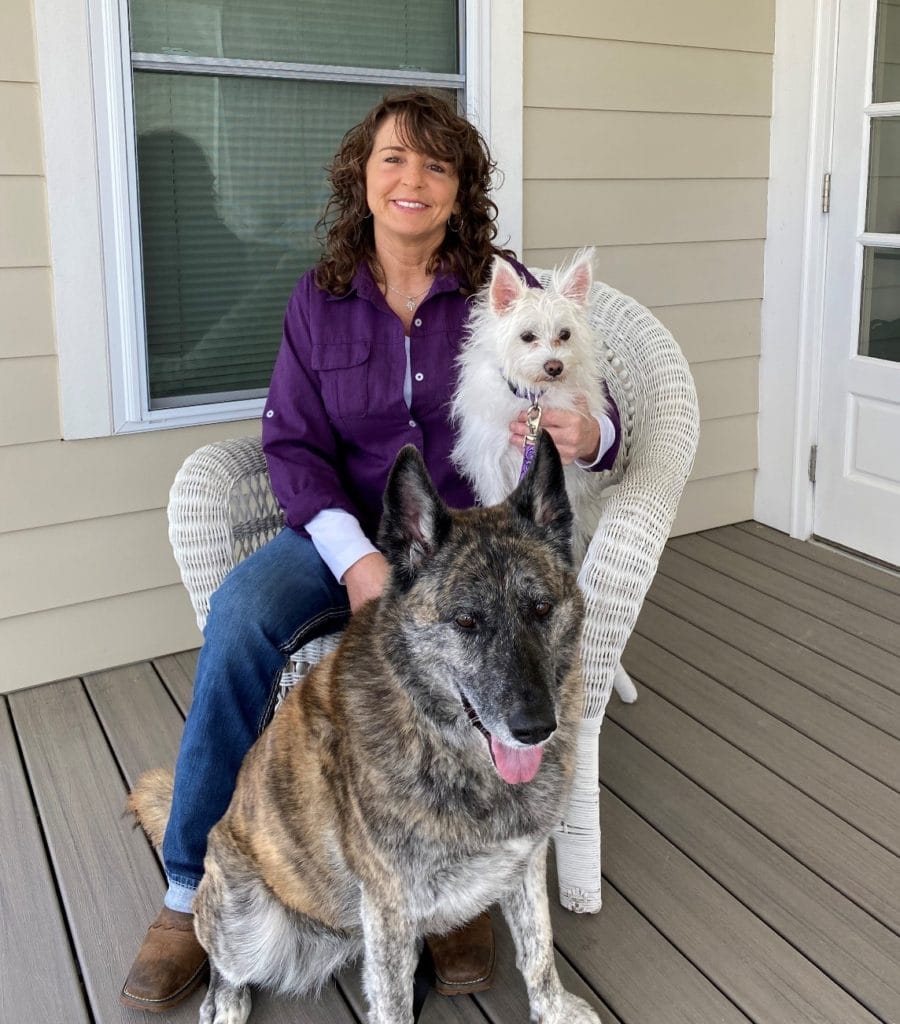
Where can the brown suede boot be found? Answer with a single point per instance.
(464, 959)
(170, 965)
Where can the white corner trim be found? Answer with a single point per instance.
(76, 257)
(495, 66)
(803, 97)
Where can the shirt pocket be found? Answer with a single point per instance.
(343, 369)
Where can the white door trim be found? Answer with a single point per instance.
(792, 310)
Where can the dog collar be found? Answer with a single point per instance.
(532, 396)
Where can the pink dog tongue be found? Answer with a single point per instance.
(516, 764)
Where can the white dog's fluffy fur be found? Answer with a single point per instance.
(515, 335)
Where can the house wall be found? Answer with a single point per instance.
(647, 135)
(87, 579)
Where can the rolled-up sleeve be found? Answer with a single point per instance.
(301, 447)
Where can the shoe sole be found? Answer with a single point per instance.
(161, 1005)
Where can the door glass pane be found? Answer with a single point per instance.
(397, 34)
(886, 78)
(879, 333)
(883, 204)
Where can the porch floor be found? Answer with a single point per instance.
(751, 814)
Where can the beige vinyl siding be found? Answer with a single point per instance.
(91, 635)
(647, 135)
(87, 579)
(26, 317)
(718, 24)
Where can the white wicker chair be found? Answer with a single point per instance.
(221, 509)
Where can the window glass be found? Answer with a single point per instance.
(886, 74)
(416, 34)
(879, 335)
(231, 167)
(231, 179)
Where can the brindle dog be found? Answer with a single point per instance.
(415, 776)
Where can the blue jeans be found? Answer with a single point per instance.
(268, 606)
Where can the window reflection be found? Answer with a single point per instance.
(879, 335)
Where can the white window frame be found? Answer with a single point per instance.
(85, 76)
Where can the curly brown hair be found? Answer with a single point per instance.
(428, 124)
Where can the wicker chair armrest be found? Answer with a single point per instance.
(652, 384)
(219, 503)
(617, 572)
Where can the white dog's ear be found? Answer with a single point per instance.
(506, 287)
(577, 279)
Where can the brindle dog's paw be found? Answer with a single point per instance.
(224, 1003)
(573, 1010)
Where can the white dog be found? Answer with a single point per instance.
(525, 346)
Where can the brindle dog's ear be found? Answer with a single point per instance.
(415, 522)
(541, 496)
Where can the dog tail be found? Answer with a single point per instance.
(151, 800)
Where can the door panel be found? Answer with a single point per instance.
(857, 498)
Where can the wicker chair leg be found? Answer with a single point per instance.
(577, 838)
(624, 685)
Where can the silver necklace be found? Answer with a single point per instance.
(411, 300)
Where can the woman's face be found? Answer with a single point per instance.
(411, 195)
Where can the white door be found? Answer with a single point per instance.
(857, 494)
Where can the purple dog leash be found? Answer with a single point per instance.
(533, 420)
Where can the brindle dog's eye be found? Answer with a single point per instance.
(542, 609)
(565, 334)
(528, 337)
(466, 622)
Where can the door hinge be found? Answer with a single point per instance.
(813, 457)
(826, 192)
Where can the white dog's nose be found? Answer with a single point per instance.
(553, 367)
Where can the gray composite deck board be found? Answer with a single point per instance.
(836, 644)
(762, 549)
(842, 564)
(848, 689)
(759, 971)
(847, 616)
(864, 802)
(847, 944)
(177, 673)
(109, 880)
(807, 712)
(40, 978)
(750, 821)
(638, 970)
(837, 852)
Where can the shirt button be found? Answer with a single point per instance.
(269, 414)
(417, 322)
(420, 376)
(412, 423)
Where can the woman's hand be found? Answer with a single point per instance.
(365, 579)
(575, 433)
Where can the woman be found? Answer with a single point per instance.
(366, 365)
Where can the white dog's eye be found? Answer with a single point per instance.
(565, 334)
(528, 337)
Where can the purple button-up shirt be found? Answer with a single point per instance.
(335, 416)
